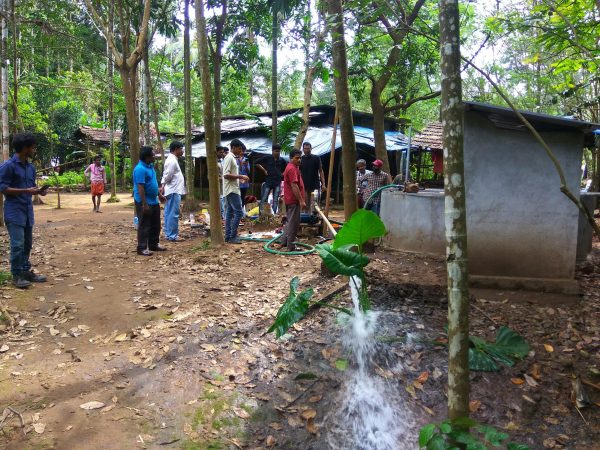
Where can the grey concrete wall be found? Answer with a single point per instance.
(519, 223)
(415, 222)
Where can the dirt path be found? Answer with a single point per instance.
(174, 346)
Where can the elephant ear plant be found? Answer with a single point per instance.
(344, 257)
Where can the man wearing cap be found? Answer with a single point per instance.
(374, 181)
(312, 173)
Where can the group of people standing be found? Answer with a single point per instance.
(302, 175)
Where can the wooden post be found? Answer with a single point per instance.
(331, 163)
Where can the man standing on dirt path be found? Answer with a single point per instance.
(231, 191)
(146, 195)
(17, 183)
(97, 175)
(312, 174)
(272, 166)
(294, 197)
(173, 187)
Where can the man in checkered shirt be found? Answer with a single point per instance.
(373, 181)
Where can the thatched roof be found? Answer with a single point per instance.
(430, 137)
(98, 136)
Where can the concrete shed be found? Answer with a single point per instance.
(522, 231)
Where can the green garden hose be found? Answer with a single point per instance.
(377, 191)
(309, 248)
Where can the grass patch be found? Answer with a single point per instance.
(203, 246)
(5, 277)
(212, 445)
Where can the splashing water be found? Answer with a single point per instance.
(367, 415)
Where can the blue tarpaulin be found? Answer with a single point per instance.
(319, 137)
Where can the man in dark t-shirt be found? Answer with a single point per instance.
(272, 166)
(312, 174)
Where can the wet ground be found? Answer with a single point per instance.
(175, 348)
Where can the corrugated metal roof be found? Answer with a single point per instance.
(320, 139)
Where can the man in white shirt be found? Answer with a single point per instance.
(173, 187)
(231, 192)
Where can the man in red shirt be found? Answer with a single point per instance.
(294, 198)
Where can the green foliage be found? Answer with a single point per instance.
(362, 226)
(287, 129)
(342, 260)
(508, 348)
(70, 178)
(294, 308)
(4, 277)
(463, 433)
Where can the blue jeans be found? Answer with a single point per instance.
(264, 196)
(223, 207)
(21, 240)
(172, 216)
(233, 215)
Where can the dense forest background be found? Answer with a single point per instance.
(57, 76)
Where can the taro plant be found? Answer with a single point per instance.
(344, 256)
(464, 433)
(508, 348)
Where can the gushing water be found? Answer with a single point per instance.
(368, 416)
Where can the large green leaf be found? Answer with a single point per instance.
(341, 260)
(510, 344)
(293, 309)
(508, 347)
(481, 361)
(362, 226)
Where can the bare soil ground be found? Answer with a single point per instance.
(174, 346)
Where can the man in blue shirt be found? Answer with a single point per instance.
(17, 183)
(146, 195)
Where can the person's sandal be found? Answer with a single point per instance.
(144, 253)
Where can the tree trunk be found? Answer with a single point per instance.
(190, 201)
(216, 231)
(344, 108)
(159, 143)
(146, 96)
(274, 107)
(4, 88)
(3, 100)
(217, 63)
(128, 80)
(308, 88)
(111, 115)
(379, 128)
(15, 93)
(455, 212)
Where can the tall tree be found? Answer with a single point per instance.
(315, 39)
(396, 23)
(344, 108)
(127, 54)
(3, 96)
(190, 201)
(110, 66)
(455, 211)
(216, 230)
(216, 51)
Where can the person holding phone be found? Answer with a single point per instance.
(17, 183)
